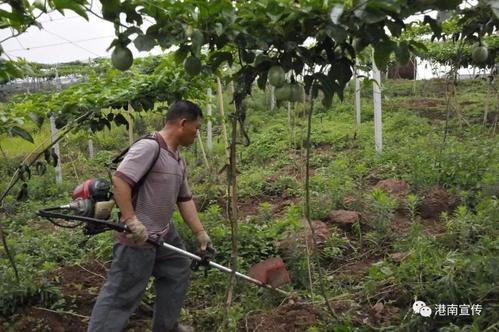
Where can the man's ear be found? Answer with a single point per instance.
(182, 122)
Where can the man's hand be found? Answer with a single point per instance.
(203, 240)
(138, 231)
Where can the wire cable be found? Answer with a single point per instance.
(58, 44)
(71, 42)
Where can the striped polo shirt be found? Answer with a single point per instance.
(163, 188)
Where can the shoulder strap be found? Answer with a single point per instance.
(116, 160)
(143, 178)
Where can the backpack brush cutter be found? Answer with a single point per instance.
(92, 206)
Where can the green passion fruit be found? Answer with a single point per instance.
(121, 58)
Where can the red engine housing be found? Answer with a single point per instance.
(83, 190)
(96, 189)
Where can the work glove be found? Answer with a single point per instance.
(138, 232)
(203, 240)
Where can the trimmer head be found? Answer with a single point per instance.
(271, 271)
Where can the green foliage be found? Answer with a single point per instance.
(25, 294)
(253, 184)
(283, 185)
(336, 246)
(412, 203)
(268, 146)
(460, 54)
(382, 206)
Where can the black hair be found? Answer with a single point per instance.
(183, 109)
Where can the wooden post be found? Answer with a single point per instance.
(91, 147)
(378, 141)
(415, 67)
(209, 130)
(224, 128)
(53, 129)
(357, 101)
(58, 169)
(272, 98)
(200, 141)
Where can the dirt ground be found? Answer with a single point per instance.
(286, 318)
(80, 285)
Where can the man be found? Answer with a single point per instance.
(148, 213)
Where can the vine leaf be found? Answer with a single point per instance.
(144, 43)
(382, 53)
(22, 195)
(218, 57)
(40, 167)
(402, 53)
(120, 120)
(37, 119)
(434, 25)
(47, 156)
(18, 131)
(72, 5)
(55, 157)
(24, 173)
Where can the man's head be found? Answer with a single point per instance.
(184, 117)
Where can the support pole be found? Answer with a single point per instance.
(53, 130)
(272, 98)
(91, 147)
(378, 140)
(357, 101)
(209, 131)
(222, 113)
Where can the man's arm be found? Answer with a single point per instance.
(123, 197)
(190, 215)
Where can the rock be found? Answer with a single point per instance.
(435, 201)
(344, 217)
(394, 186)
(291, 241)
(322, 231)
(397, 188)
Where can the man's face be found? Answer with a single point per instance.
(188, 131)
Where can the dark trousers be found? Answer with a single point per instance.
(127, 280)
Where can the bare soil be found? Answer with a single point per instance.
(295, 317)
(80, 285)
